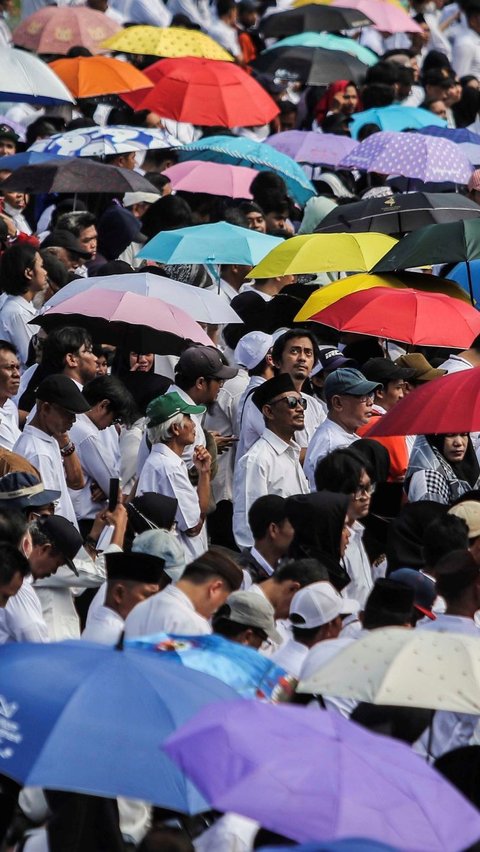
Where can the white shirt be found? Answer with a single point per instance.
(129, 445)
(455, 364)
(319, 656)
(198, 11)
(291, 657)
(22, 619)
(222, 417)
(14, 316)
(166, 473)
(226, 36)
(170, 611)
(358, 567)
(466, 54)
(187, 454)
(230, 833)
(43, 452)
(151, 12)
(262, 561)
(329, 436)
(250, 423)
(9, 431)
(271, 466)
(105, 626)
(99, 463)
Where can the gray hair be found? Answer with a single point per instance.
(161, 433)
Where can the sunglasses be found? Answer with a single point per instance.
(292, 402)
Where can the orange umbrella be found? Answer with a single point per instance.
(90, 76)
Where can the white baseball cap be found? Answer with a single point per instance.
(319, 604)
(131, 198)
(252, 348)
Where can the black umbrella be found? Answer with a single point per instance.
(72, 174)
(312, 18)
(399, 214)
(315, 66)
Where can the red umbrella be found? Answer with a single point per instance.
(446, 405)
(410, 316)
(205, 92)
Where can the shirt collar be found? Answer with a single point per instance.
(261, 561)
(278, 444)
(38, 433)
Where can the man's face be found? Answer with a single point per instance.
(37, 275)
(438, 92)
(17, 200)
(389, 396)
(86, 362)
(9, 374)
(88, 239)
(135, 593)
(256, 222)
(287, 589)
(287, 121)
(210, 389)
(127, 161)
(439, 108)
(57, 419)
(286, 412)
(276, 220)
(187, 430)
(70, 260)
(297, 358)
(10, 589)
(7, 146)
(354, 411)
(283, 536)
(45, 560)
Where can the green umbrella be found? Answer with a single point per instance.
(330, 42)
(450, 243)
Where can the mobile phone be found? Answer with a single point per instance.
(113, 493)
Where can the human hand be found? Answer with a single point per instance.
(202, 459)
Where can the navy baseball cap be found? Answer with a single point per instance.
(24, 491)
(424, 589)
(348, 381)
(331, 359)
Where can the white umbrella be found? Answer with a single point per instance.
(26, 78)
(202, 305)
(101, 141)
(406, 668)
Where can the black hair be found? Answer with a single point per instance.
(167, 214)
(158, 180)
(301, 571)
(15, 262)
(120, 399)
(365, 131)
(266, 510)
(339, 471)
(250, 207)
(38, 534)
(10, 347)
(235, 216)
(225, 6)
(265, 181)
(291, 334)
(214, 563)
(427, 103)
(378, 95)
(304, 634)
(386, 73)
(13, 525)
(11, 562)
(455, 573)
(163, 838)
(55, 269)
(184, 21)
(103, 352)
(76, 221)
(39, 129)
(59, 342)
(273, 201)
(286, 107)
(442, 536)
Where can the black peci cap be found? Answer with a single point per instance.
(136, 567)
(271, 388)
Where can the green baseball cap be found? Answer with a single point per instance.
(166, 406)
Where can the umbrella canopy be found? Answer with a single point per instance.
(329, 42)
(331, 779)
(102, 141)
(239, 151)
(26, 158)
(385, 16)
(212, 178)
(331, 293)
(129, 320)
(250, 674)
(316, 149)
(408, 668)
(206, 92)
(410, 316)
(90, 76)
(395, 118)
(411, 155)
(312, 18)
(447, 405)
(202, 305)
(467, 141)
(467, 275)
(353, 844)
(55, 29)
(218, 243)
(399, 213)
(167, 42)
(26, 78)
(75, 175)
(298, 3)
(323, 253)
(315, 66)
(70, 699)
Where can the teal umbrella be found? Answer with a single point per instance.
(329, 42)
(217, 243)
(395, 117)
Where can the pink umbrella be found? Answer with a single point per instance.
(386, 17)
(142, 323)
(212, 178)
(56, 29)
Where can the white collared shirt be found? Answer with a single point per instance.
(43, 452)
(262, 561)
(291, 657)
(9, 431)
(170, 611)
(358, 567)
(250, 423)
(14, 317)
(227, 36)
(99, 462)
(222, 417)
(329, 436)
(166, 473)
(271, 466)
(455, 364)
(105, 626)
(22, 619)
(466, 54)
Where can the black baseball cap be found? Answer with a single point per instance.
(204, 361)
(424, 590)
(65, 239)
(438, 77)
(382, 370)
(62, 391)
(7, 132)
(64, 536)
(330, 358)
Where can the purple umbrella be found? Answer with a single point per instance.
(312, 775)
(412, 155)
(317, 149)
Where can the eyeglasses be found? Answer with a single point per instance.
(364, 491)
(292, 401)
(368, 397)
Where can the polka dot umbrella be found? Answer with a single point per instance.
(168, 42)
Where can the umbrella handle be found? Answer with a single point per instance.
(430, 739)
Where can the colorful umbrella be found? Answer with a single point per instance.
(411, 155)
(205, 92)
(312, 18)
(315, 66)
(395, 117)
(70, 174)
(212, 178)
(91, 76)
(398, 213)
(55, 29)
(167, 42)
(128, 320)
(410, 316)
(316, 149)
(385, 16)
(324, 253)
(217, 243)
(329, 42)
(27, 79)
(102, 141)
(447, 405)
(239, 151)
(308, 774)
(64, 701)
(467, 141)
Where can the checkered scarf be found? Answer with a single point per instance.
(440, 482)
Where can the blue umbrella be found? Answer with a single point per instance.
(249, 673)
(239, 151)
(329, 42)
(102, 141)
(219, 242)
(466, 140)
(395, 117)
(92, 719)
(26, 158)
(459, 273)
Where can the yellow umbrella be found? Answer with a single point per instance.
(324, 253)
(331, 293)
(168, 42)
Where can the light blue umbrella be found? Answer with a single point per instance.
(217, 243)
(459, 273)
(239, 151)
(330, 42)
(102, 141)
(395, 117)
(26, 158)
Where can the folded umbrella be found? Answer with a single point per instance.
(212, 179)
(167, 42)
(314, 66)
(330, 42)
(91, 76)
(217, 243)
(316, 149)
(312, 775)
(143, 323)
(312, 18)
(395, 117)
(385, 16)
(55, 29)
(27, 79)
(102, 141)
(75, 175)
